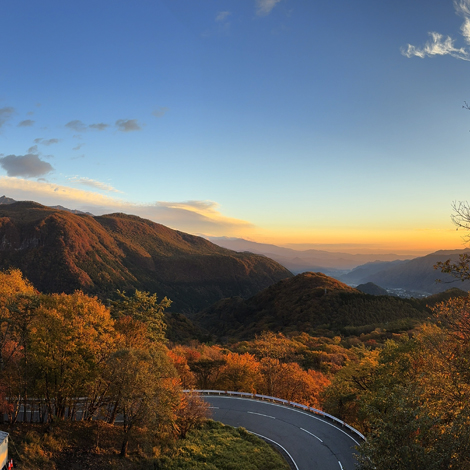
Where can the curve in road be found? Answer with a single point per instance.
(311, 441)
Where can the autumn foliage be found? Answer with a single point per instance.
(68, 357)
(268, 365)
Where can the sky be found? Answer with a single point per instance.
(298, 123)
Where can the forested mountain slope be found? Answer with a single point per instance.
(308, 302)
(60, 251)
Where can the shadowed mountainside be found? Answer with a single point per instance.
(371, 288)
(308, 302)
(60, 251)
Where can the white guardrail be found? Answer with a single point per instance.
(255, 396)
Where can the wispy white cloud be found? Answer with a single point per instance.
(445, 45)
(438, 45)
(465, 28)
(79, 146)
(264, 7)
(160, 112)
(222, 15)
(28, 166)
(462, 7)
(94, 184)
(190, 216)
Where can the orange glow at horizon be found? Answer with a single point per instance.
(404, 240)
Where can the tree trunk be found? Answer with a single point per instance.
(125, 444)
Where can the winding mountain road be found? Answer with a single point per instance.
(312, 442)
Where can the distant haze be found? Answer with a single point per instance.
(330, 262)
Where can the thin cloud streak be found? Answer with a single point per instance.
(94, 184)
(79, 126)
(101, 126)
(160, 112)
(201, 217)
(49, 142)
(222, 15)
(26, 123)
(264, 7)
(5, 114)
(46, 142)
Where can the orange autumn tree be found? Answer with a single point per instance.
(270, 368)
(240, 373)
(72, 337)
(18, 302)
(283, 377)
(181, 356)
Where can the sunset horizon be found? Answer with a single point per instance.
(276, 121)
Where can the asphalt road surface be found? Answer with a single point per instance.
(312, 442)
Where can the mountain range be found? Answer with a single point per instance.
(396, 273)
(298, 261)
(61, 251)
(417, 275)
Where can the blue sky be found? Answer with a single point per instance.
(281, 121)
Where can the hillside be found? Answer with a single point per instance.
(60, 251)
(371, 288)
(308, 302)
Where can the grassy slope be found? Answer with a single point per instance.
(95, 445)
(220, 447)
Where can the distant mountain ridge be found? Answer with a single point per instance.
(6, 200)
(362, 273)
(416, 275)
(60, 251)
(9, 200)
(297, 261)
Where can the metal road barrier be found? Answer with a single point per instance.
(293, 404)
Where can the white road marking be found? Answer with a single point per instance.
(292, 409)
(260, 414)
(308, 432)
(340, 466)
(214, 407)
(279, 445)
